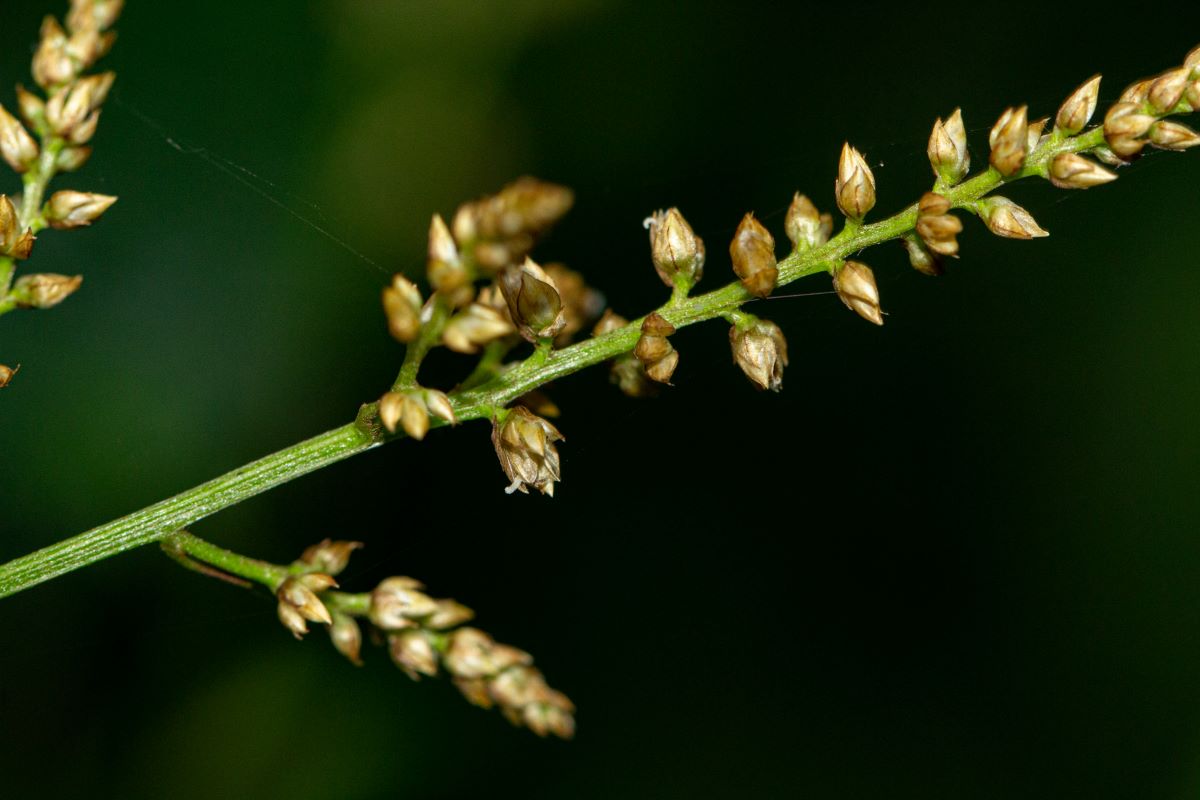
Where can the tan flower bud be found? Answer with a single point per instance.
(753, 254)
(525, 206)
(414, 417)
(677, 252)
(44, 290)
(761, 352)
(397, 602)
(449, 614)
(1073, 171)
(100, 14)
(52, 65)
(581, 303)
(804, 224)
(7, 373)
(292, 619)
(328, 556)
(17, 147)
(1136, 92)
(475, 326)
(444, 268)
(1077, 110)
(1005, 218)
(1107, 156)
(346, 637)
(72, 158)
(33, 108)
(1009, 139)
(412, 652)
(72, 111)
(1173, 136)
(518, 687)
(855, 185)
(654, 351)
(402, 306)
(1167, 89)
(1124, 127)
(921, 258)
(947, 149)
(608, 323)
(300, 594)
(469, 654)
(524, 444)
(440, 406)
(69, 209)
(937, 228)
(855, 285)
(533, 301)
(13, 241)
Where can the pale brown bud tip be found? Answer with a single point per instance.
(1077, 110)
(947, 149)
(855, 185)
(329, 556)
(1005, 218)
(855, 285)
(17, 147)
(533, 301)
(1009, 139)
(44, 290)
(70, 209)
(1073, 171)
(397, 602)
(753, 253)
(803, 224)
(761, 351)
(298, 601)
(524, 444)
(412, 652)
(677, 252)
(346, 637)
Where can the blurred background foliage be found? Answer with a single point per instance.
(957, 557)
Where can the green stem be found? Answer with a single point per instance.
(430, 335)
(184, 547)
(476, 402)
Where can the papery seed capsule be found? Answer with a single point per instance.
(1073, 171)
(524, 444)
(1005, 218)
(753, 254)
(855, 285)
(677, 252)
(72, 158)
(803, 224)
(760, 349)
(469, 654)
(1167, 89)
(389, 410)
(855, 184)
(1077, 110)
(414, 417)
(533, 301)
(630, 377)
(1106, 155)
(17, 147)
(947, 149)
(69, 209)
(1033, 135)
(346, 637)
(1009, 139)
(1173, 136)
(44, 290)
(581, 303)
(921, 258)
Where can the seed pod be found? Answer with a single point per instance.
(855, 285)
(1005, 218)
(44, 290)
(1077, 110)
(397, 602)
(524, 444)
(533, 301)
(475, 326)
(921, 258)
(412, 652)
(69, 209)
(346, 637)
(947, 149)
(753, 254)
(402, 305)
(804, 225)
(760, 349)
(655, 352)
(1073, 171)
(1009, 139)
(677, 252)
(1173, 136)
(1167, 89)
(855, 185)
(17, 147)
(937, 228)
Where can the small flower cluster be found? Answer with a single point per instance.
(424, 637)
(64, 120)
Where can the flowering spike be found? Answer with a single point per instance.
(855, 285)
(855, 185)
(753, 254)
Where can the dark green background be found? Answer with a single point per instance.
(957, 557)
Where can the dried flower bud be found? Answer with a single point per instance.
(72, 158)
(804, 225)
(469, 654)
(1124, 127)
(581, 303)
(328, 556)
(73, 111)
(440, 406)
(402, 305)
(33, 108)
(1167, 89)
(921, 258)
(753, 254)
(406, 409)
(292, 619)
(1009, 139)
(17, 147)
(346, 637)
(533, 301)
(397, 602)
(608, 323)
(298, 601)
(444, 268)
(654, 351)
(51, 63)
(1136, 92)
(449, 614)
(475, 326)
(761, 351)
(948, 149)
(7, 373)
(1005, 218)
(13, 241)
(937, 228)
(1073, 171)
(855, 285)
(526, 206)
(1107, 156)
(69, 209)
(44, 290)
(677, 252)
(524, 444)
(1077, 110)
(1173, 136)
(412, 652)
(855, 185)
